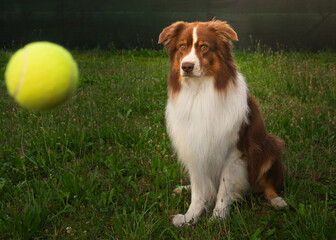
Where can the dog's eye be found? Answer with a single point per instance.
(204, 48)
(182, 48)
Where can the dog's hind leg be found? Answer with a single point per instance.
(273, 198)
(270, 181)
(233, 183)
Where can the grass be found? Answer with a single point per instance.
(101, 165)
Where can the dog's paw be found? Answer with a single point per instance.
(278, 202)
(179, 220)
(218, 214)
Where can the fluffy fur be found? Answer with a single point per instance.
(214, 123)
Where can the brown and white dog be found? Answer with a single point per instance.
(214, 123)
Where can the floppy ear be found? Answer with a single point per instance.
(169, 32)
(223, 30)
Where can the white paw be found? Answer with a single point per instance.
(179, 220)
(278, 202)
(219, 213)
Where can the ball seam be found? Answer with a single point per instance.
(23, 71)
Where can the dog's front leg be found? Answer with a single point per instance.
(195, 210)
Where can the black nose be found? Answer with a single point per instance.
(187, 67)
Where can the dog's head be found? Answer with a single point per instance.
(199, 49)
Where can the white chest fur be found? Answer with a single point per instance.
(203, 124)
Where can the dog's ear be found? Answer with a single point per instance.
(223, 30)
(170, 32)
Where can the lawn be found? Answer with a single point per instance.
(101, 166)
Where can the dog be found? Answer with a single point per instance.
(215, 124)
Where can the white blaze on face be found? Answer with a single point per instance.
(192, 58)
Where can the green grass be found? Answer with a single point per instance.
(101, 166)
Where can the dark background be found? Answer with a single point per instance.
(293, 24)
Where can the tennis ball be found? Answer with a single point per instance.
(41, 75)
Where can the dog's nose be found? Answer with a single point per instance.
(187, 67)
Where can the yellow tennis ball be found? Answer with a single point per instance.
(41, 75)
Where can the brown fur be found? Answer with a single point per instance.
(223, 67)
(262, 153)
(218, 60)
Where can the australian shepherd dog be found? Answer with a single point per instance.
(214, 123)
